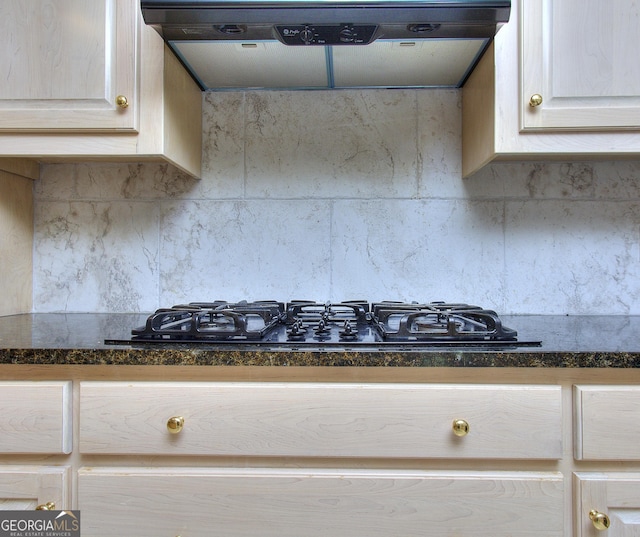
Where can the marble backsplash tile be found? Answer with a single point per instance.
(96, 256)
(231, 250)
(332, 196)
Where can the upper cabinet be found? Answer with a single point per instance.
(577, 70)
(88, 79)
(558, 81)
(68, 65)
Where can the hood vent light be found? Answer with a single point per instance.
(422, 28)
(232, 29)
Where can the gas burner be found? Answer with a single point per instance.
(305, 323)
(308, 311)
(438, 321)
(213, 321)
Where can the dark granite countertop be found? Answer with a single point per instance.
(78, 338)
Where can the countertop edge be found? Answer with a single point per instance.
(265, 358)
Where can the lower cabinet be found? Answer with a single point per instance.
(318, 503)
(319, 459)
(388, 421)
(37, 425)
(38, 417)
(606, 428)
(606, 424)
(607, 502)
(364, 429)
(28, 487)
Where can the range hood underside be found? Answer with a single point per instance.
(305, 44)
(218, 65)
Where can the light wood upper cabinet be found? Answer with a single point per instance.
(577, 56)
(65, 63)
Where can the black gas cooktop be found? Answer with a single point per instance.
(302, 323)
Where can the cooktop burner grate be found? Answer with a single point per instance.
(212, 321)
(301, 323)
(439, 321)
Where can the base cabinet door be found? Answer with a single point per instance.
(607, 504)
(27, 487)
(248, 502)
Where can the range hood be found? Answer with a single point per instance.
(320, 44)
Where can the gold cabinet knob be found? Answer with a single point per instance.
(49, 506)
(536, 100)
(600, 520)
(460, 427)
(122, 101)
(175, 424)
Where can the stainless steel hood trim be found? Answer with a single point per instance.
(177, 12)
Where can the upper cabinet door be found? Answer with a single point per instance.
(68, 65)
(579, 66)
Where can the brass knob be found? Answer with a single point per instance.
(460, 427)
(536, 100)
(600, 520)
(122, 101)
(49, 506)
(175, 424)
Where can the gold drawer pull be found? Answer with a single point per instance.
(536, 100)
(49, 506)
(600, 520)
(460, 427)
(175, 424)
(122, 101)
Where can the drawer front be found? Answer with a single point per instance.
(318, 503)
(321, 420)
(37, 417)
(606, 424)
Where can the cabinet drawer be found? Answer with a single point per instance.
(321, 420)
(606, 424)
(37, 417)
(318, 503)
